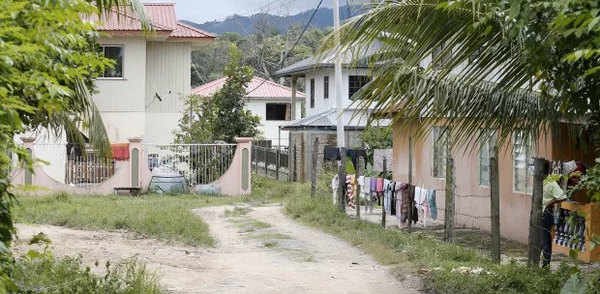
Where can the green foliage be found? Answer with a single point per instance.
(263, 51)
(40, 272)
(221, 117)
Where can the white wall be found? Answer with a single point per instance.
(169, 75)
(322, 104)
(121, 100)
(270, 129)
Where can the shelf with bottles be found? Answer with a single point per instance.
(577, 237)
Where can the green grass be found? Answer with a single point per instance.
(237, 211)
(42, 273)
(270, 244)
(271, 236)
(168, 218)
(252, 225)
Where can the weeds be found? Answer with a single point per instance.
(237, 211)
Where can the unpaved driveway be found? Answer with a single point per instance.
(249, 258)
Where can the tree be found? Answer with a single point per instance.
(48, 63)
(501, 65)
(221, 117)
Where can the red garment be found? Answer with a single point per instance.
(120, 151)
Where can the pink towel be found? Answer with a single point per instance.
(379, 185)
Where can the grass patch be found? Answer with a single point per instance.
(273, 236)
(252, 225)
(270, 244)
(237, 211)
(167, 218)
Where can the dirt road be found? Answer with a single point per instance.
(259, 251)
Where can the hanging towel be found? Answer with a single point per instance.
(393, 198)
(334, 186)
(379, 185)
(387, 195)
(432, 204)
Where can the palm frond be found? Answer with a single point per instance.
(136, 6)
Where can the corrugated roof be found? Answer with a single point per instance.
(257, 88)
(161, 15)
(351, 119)
(328, 61)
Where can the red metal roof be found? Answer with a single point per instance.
(161, 15)
(257, 88)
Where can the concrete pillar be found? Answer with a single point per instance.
(28, 142)
(136, 162)
(294, 90)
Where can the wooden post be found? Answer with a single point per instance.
(315, 165)
(410, 176)
(495, 205)
(294, 165)
(360, 173)
(449, 209)
(540, 167)
(342, 180)
(383, 196)
(277, 163)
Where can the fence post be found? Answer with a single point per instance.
(495, 205)
(449, 209)
(277, 163)
(313, 179)
(266, 161)
(540, 167)
(383, 196)
(294, 178)
(360, 173)
(410, 176)
(342, 180)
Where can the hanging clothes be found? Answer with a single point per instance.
(431, 200)
(398, 193)
(354, 154)
(421, 204)
(331, 153)
(334, 186)
(393, 198)
(367, 193)
(408, 197)
(350, 190)
(387, 195)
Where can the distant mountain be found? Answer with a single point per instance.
(246, 25)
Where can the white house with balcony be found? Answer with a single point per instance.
(270, 101)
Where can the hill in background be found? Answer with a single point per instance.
(247, 25)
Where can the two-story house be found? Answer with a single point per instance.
(141, 95)
(321, 113)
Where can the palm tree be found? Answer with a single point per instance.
(483, 73)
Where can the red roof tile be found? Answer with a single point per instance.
(161, 15)
(257, 88)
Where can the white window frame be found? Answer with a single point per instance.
(489, 142)
(434, 140)
(528, 164)
(122, 46)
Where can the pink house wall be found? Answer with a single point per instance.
(514, 206)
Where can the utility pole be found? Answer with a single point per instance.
(341, 142)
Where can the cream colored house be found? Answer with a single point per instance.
(140, 97)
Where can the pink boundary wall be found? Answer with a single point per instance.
(230, 182)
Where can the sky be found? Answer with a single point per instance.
(208, 10)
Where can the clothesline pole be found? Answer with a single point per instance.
(495, 205)
(540, 167)
(410, 176)
(315, 167)
(361, 173)
(383, 195)
(342, 180)
(449, 210)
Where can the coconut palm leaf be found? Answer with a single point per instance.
(496, 90)
(136, 6)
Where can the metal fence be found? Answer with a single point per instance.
(198, 163)
(272, 162)
(89, 169)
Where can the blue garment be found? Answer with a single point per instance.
(547, 223)
(432, 203)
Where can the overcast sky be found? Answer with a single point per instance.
(208, 10)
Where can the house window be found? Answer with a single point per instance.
(278, 111)
(355, 83)
(444, 59)
(486, 149)
(326, 87)
(113, 52)
(441, 147)
(312, 93)
(522, 163)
